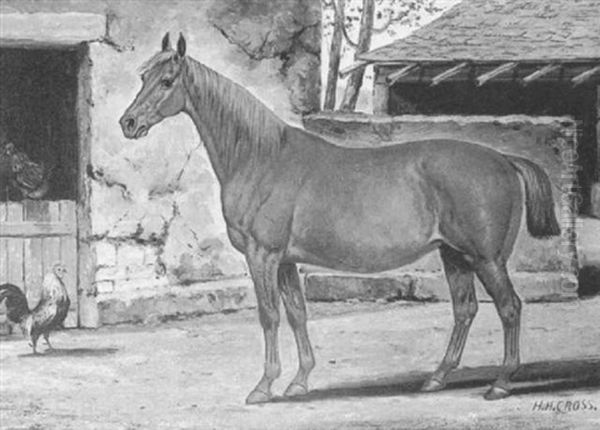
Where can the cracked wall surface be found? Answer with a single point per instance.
(288, 30)
(156, 216)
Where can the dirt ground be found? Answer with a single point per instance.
(371, 360)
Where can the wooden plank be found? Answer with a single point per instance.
(436, 80)
(540, 73)
(68, 256)
(51, 245)
(15, 246)
(582, 77)
(351, 68)
(36, 229)
(3, 212)
(504, 68)
(395, 76)
(34, 270)
(3, 260)
(36, 211)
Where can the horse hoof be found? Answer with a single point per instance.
(257, 396)
(295, 389)
(496, 393)
(432, 385)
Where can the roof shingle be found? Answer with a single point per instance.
(503, 30)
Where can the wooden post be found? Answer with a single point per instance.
(381, 94)
(88, 308)
(595, 192)
(597, 178)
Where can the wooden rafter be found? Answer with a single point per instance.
(582, 77)
(540, 73)
(448, 73)
(352, 67)
(395, 76)
(504, 68)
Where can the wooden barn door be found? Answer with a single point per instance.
(33, 236)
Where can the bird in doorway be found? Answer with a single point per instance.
(29, 177)
(50, 312)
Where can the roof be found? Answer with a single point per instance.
(503, 30)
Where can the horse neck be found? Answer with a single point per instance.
(237, 129)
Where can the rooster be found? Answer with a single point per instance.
(48, 315)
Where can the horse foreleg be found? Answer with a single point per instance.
(263, 268)
(494, 278)
(295, 307)
(460, 280)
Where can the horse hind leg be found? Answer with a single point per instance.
(460, 278)
(495, 279)
(295, 306)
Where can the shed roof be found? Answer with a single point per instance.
(503, 30)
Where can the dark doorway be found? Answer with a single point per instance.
(38, 116)
(509, 98)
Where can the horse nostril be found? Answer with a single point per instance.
(130, 124)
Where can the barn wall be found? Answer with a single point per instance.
(543, 268)
(156, 220)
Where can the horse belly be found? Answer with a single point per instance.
(367, 234)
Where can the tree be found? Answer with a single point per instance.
(363, 19)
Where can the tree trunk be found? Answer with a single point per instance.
(334, 54)
(364, 43)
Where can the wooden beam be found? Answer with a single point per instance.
(381, 94)
(352, 67)
(448, 73)
(395, 76)
(36, 229)
(540, 72)
(582, 77)
(504, 68)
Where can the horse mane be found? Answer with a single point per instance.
(246, 128)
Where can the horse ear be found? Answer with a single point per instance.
(166, 42)
(181, 46)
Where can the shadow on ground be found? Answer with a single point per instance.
(72, 352)
(543, 376)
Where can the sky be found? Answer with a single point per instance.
(364, 101)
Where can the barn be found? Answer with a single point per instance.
(520, 76)
(536, 58)
(138, 224)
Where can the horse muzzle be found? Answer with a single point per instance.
(133, 128)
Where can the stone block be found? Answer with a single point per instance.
(130, 255)
(106, 254)
(430, 286)
(106, 273)
(165, 302)
(105, 287)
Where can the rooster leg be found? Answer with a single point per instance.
(33, 342)
(47, 340)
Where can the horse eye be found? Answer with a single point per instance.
(166, 83)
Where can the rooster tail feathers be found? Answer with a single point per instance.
(17, 308)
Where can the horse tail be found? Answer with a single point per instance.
(539, 203)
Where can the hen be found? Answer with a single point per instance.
(49, 313)
(31, 178)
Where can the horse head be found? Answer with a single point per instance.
(162, 94)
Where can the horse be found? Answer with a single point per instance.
(291, 197)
